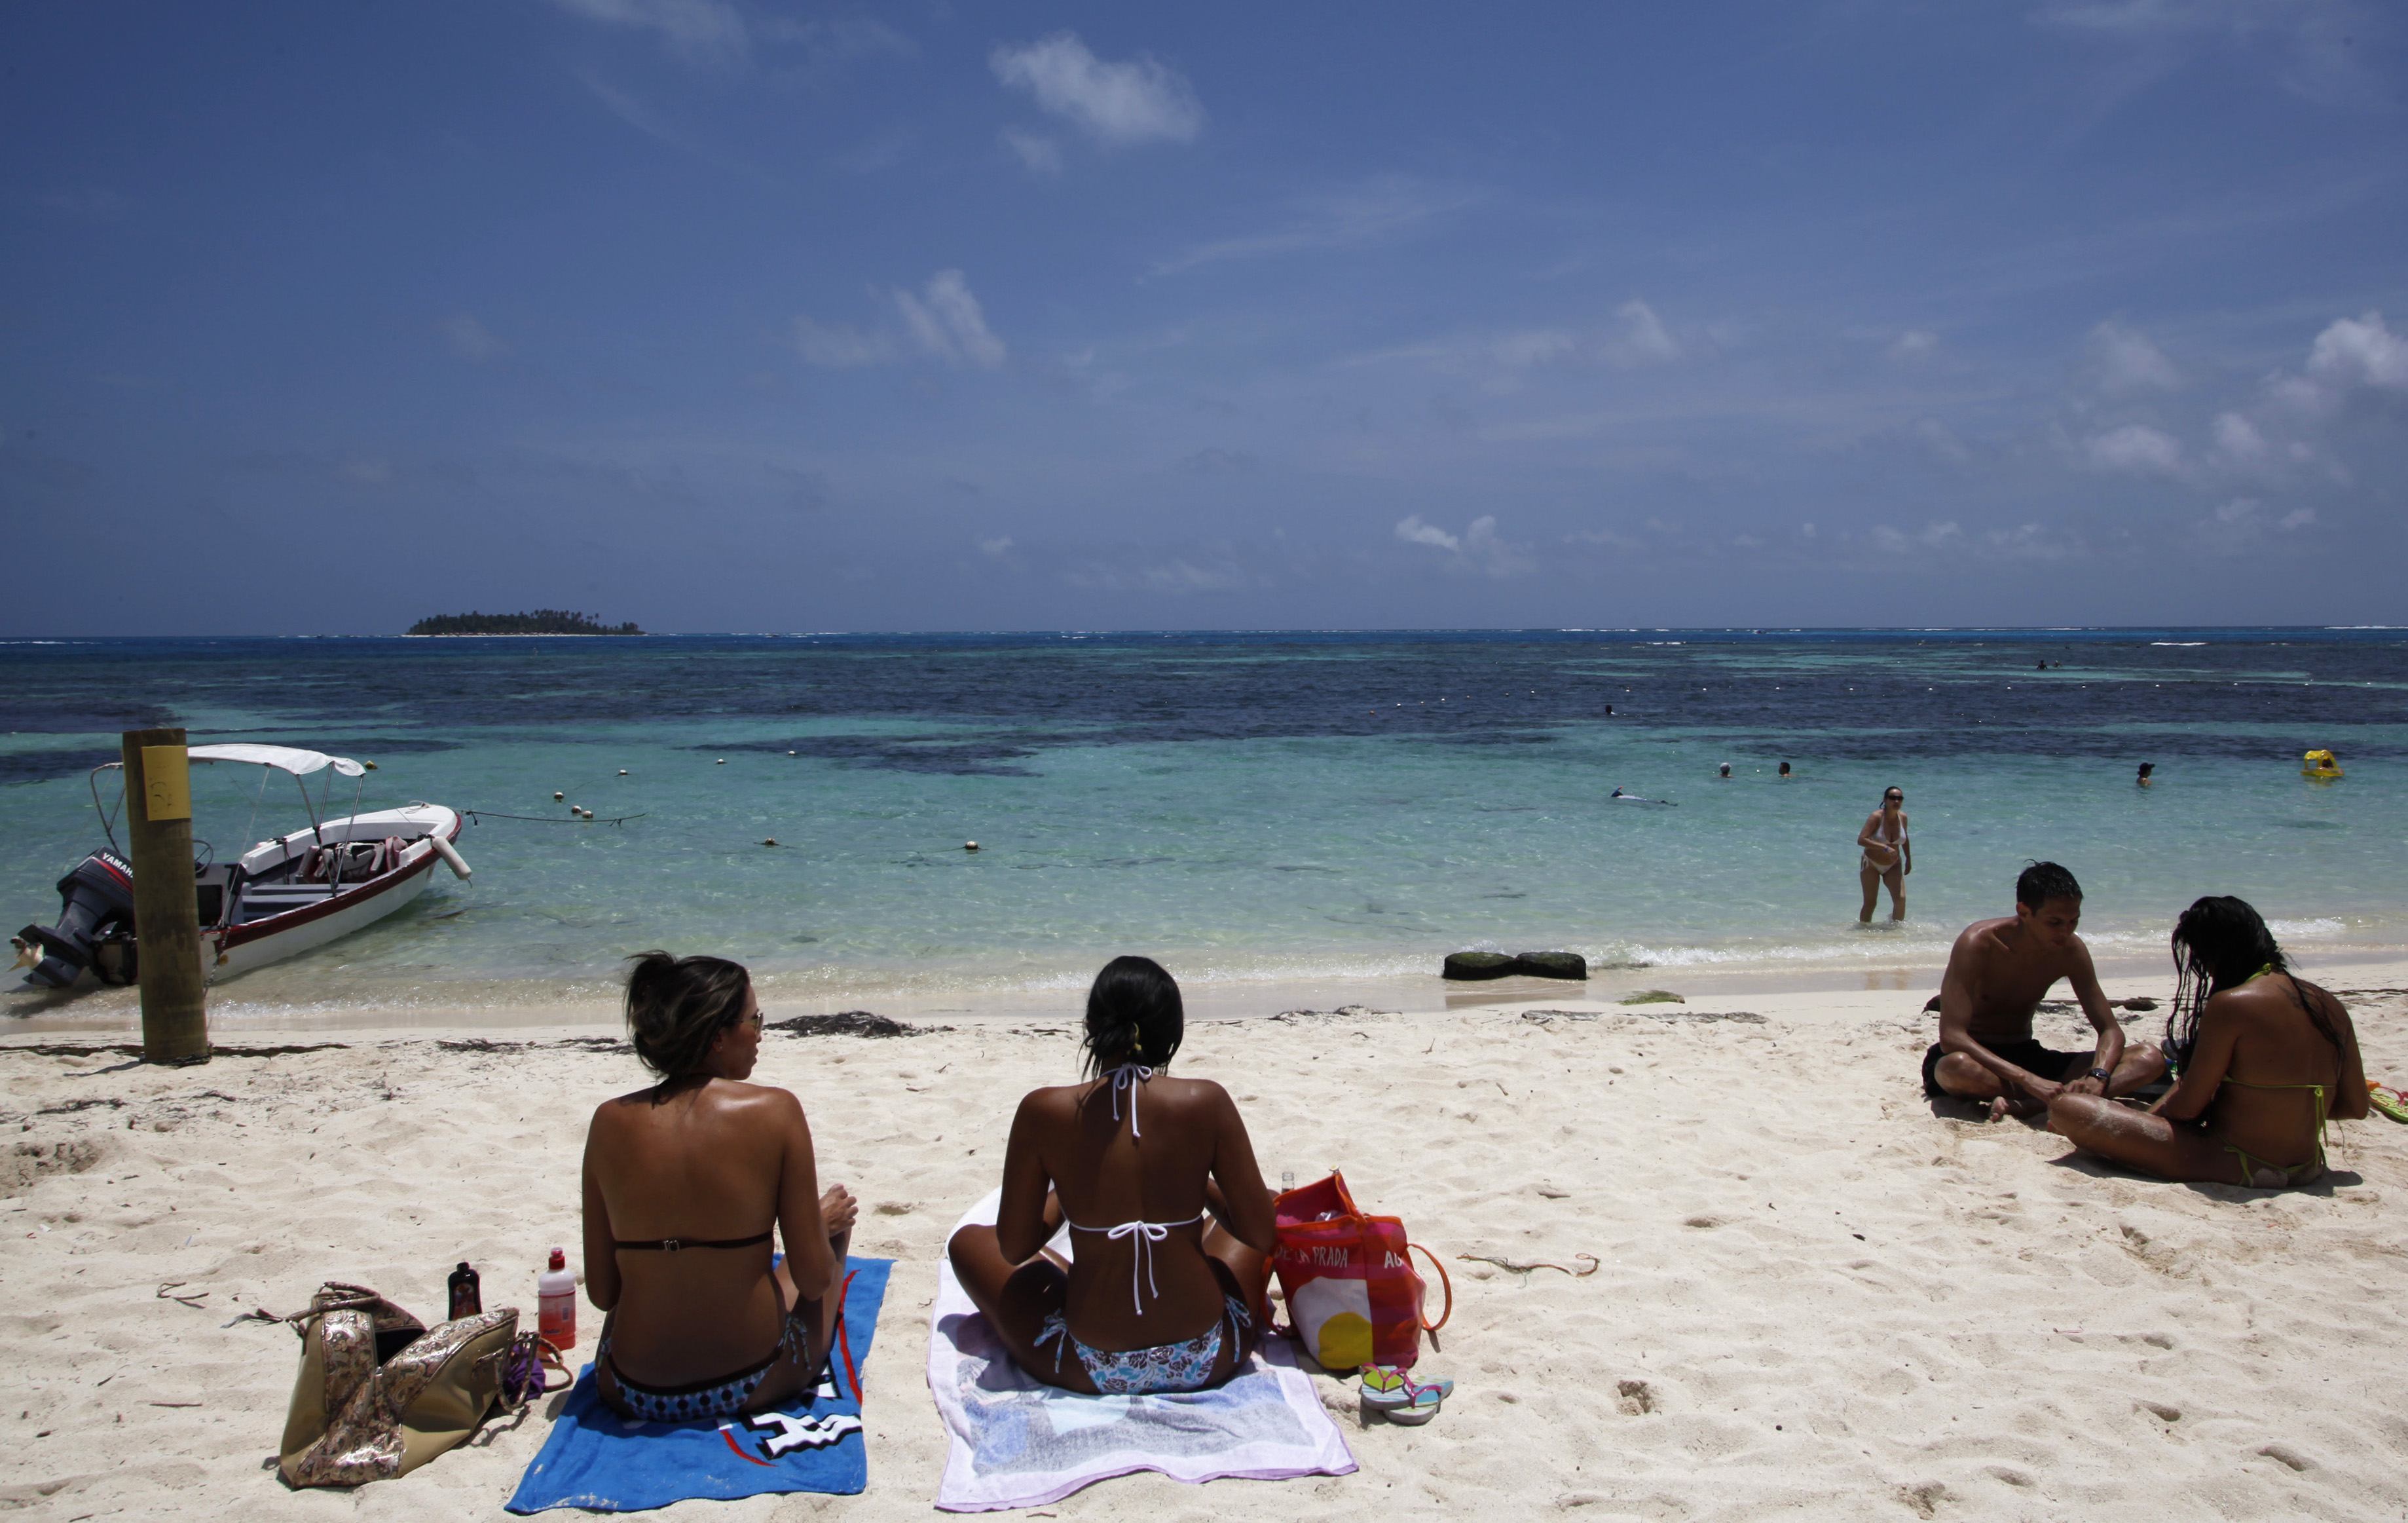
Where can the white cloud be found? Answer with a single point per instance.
(946, 321)
(1180, 575)
(2235, 525)
(2237, 440)
(1521, 351)
(2031, 542)
(1914, 344)
(2124, 360)
(2360, 352)
(1040, 154)
(1933, 535)
(997, 547)
(1368, 213)
(1642, 338)
(2313, 46)
(703, 30)
(1213, 460)
(470, 339)
(829, 44)
(1119, 104)
(2136, 448)
(1480, 547)
(1413, 531)
(837, 347)
(1941, 441)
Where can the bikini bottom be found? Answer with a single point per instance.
(1183, 1366)
(723, 1397)
(2296, 1173)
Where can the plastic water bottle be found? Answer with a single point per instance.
(1287, 1180)
(555, 1299)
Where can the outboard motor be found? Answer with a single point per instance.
(96, 907)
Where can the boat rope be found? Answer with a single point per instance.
(480, 815)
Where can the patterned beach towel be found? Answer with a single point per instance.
(1020, 1443)
(599, 1461)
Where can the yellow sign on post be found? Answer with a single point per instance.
(166, 784)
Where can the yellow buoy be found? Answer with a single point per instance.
(2319, 765)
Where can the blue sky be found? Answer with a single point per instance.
(723, 315)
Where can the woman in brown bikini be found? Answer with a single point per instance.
(2265, 1060)
(684, 1183)
(1170, 1222)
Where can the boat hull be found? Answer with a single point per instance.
(229, 950)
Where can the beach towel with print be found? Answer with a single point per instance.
(1016, 1442)
(599, 1461)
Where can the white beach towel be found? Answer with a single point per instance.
(1020, 1443)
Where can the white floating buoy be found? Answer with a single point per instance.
(557, 796)
(722, 761)
(969, 846)
(789, 753)
(622, 772)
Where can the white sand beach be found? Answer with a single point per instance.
(1814, 1296)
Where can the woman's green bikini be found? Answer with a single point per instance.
(2296, 1173)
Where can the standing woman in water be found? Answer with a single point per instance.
(2266, 1060)
(1171, 1225)
(1888, 857)
(685, 1181)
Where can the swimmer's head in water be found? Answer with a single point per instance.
(1784, 769)
(677, 1008)
(1134, 1015)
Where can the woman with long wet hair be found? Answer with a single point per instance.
(2265, 1059)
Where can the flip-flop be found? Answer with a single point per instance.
(1399, 1398)
(2391, 1102)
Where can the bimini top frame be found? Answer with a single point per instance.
(293, 759)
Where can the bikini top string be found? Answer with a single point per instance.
(1129, 1077)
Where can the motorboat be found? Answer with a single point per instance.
(284, 896)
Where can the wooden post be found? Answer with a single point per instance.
(167, 911)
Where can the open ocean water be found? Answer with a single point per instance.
(1273, 807)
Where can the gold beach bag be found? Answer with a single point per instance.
(379, 1393)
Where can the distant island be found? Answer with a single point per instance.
(543, 621)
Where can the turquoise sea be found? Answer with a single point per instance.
(1256, 810)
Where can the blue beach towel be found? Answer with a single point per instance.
(599, 1461)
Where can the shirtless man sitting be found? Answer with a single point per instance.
(1997, 974)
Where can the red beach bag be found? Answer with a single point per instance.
(1351, 1293)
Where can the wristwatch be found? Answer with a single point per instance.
(2101, 1074)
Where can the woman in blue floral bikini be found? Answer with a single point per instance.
(1170, 1225)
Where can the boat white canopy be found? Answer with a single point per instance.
(284, 758)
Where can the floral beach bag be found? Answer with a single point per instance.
(1352, 1292)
